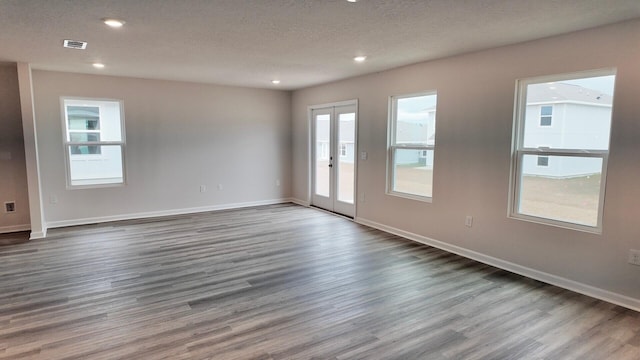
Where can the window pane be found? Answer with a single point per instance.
(566, 189)
(413, 171)
(416, 120)
(346, 161)
(105, 169)
(323, 131)
(111, 123)
(84, 124)
(83, 117)
(83, 137)
(85, 149)
(87, 115)
(569, 114)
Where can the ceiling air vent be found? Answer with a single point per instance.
(75, 44)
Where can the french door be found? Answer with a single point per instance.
(333, 132)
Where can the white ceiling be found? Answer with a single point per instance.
(300, 42)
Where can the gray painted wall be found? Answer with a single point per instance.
(473, 149)
(13, 173)
(178, 136)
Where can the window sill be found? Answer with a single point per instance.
(556, 223)
(426, 199)
(95, 185)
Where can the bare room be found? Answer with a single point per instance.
(319, 179)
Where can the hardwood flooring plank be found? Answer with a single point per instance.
(282, 282)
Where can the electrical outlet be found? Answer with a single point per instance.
(203, 188)
(634, 257)
(53, 199)
(468, 221)
(219, 187)
(277, 182)
(10, 206)
(362, 197)
(363, 155)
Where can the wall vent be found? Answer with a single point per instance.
(75, 44)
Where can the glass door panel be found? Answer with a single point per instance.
(346, 157)
(322, 154)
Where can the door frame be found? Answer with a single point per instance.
(311, 145)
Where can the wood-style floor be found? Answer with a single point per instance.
(283, 282)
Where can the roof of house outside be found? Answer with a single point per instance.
(561, 92)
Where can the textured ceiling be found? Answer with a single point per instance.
(300, 42)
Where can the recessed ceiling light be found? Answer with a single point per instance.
(360, 58)
(275, 82)
(352, 1)
(114, 23)
(98, 65)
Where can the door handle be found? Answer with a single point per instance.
(330, 165)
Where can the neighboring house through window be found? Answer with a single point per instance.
(84, 126)
(411, 145)
(94, 142)
(570, 160)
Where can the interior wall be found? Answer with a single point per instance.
(473, 151)
(179, 136)
(13, 174)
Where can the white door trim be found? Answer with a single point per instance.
(311, 148)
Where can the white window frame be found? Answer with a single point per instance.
(393, 147)
(68, 144)
(519, 151)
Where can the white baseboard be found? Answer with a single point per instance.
(14, 228)
(598, 293)
(300, 202)
(38, 234)
(152, 214)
